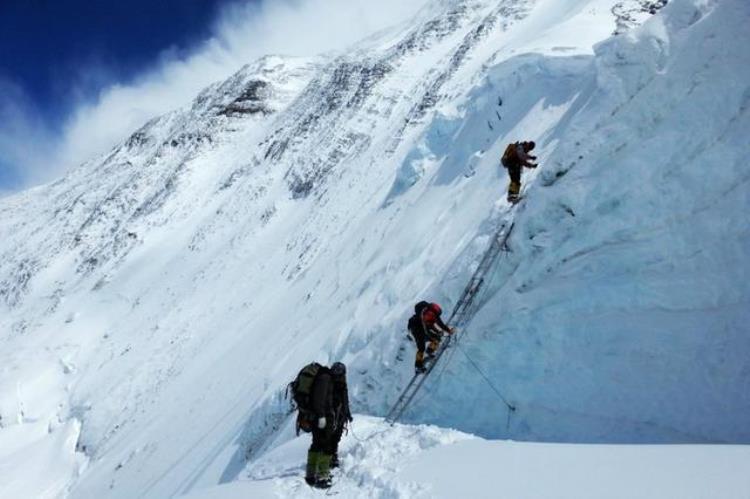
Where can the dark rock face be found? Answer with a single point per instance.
(250, 101)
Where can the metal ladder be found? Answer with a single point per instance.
(458, 317)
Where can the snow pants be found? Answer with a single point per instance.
(323, 440)
(421, 337)
(514, 188)
(321, 450)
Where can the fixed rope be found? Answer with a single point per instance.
(510, 406)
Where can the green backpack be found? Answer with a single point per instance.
(301, 389)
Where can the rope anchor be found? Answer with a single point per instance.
(510, 406)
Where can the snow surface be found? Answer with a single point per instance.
(156, 301)
(380, 461)
(37, 460)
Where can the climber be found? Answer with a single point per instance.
(424, 325)
(515, 157)
(323, 403)
(342, 413)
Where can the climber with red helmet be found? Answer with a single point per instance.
(426, 325)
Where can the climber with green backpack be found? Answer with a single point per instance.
(516, 156)
(321, 398)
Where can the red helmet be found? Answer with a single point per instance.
(436, 308)
(429, 317)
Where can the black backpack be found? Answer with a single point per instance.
(301, 389)
(419, 307)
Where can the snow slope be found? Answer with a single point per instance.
(156, 301)
(425, 461)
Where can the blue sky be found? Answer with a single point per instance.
(77, 76)
(43, 42)
(57, 52)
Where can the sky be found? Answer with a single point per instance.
(76, 76)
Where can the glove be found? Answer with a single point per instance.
(350, 418)
(321, 423)
(451, 330)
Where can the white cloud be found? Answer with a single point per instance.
(242, 33)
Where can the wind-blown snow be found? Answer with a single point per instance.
(163, 295)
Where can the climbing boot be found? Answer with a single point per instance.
(419, 360)
(321, 483)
